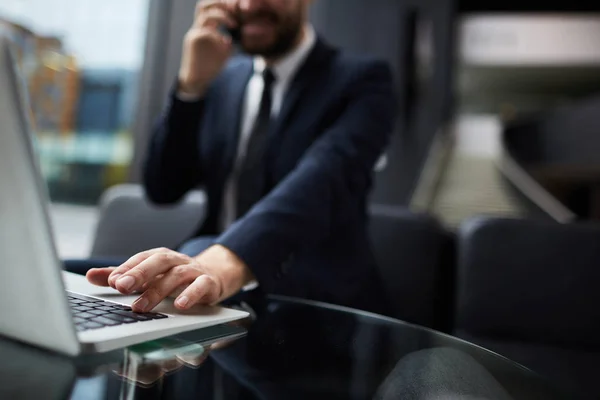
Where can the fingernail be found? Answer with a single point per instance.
(114, 277)
(126, 282)
(141, 303)
(183, 301)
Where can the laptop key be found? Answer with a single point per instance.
(88, 304)
(106, 304)
(81, 308)
(157, 315)
(85, 315)
(92, 325)
(136, 316)
(78, 320)
(98, 312)
(105, 321)
(104, 308)
(121, 318)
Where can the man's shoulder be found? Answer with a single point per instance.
(352, 62)
(346, 63)
(356, 59)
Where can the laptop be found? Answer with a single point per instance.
(39, 303)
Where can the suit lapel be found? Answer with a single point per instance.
(233, 101)
(234, 96)
(301, 82)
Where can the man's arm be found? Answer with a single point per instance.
(335, 170)
(172, 165)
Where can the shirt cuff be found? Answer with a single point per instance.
(187, 97)
(251, 286)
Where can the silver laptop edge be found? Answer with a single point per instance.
(33, 303)
(30, 296)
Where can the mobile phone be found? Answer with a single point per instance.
(235, 34)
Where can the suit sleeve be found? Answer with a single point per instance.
(335, 172)
(172, 165)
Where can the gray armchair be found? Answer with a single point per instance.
(529, 290)
(414, 254)
(128, 223)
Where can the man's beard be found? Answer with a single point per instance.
(288, 33)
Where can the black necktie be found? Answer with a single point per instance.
(252, 174)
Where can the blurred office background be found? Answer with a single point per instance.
(82, 62)
(471, 79)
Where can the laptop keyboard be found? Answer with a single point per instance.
(90, 313)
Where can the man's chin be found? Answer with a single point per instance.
(257, 49)
(267, 46)
(266, 52)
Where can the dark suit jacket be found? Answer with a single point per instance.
(307, 237)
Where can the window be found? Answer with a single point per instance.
(82, 62)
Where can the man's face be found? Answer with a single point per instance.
(270, 28)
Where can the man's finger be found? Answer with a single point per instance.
(203, 5)
(146, 285)
(162, 288)
(99, 276)
(148, 270)
(130, 263)
(127, 265)
(213, 18)
(204, 290)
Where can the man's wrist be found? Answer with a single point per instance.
(187, 90)
(250, 286)
(187, 97)
(234, 272)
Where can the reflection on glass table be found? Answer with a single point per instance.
(145, 364)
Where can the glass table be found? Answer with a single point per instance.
(288, 349)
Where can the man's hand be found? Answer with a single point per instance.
(205, 48)
(208, 278)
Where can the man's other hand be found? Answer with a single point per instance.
(205, 48)
(208, 278)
